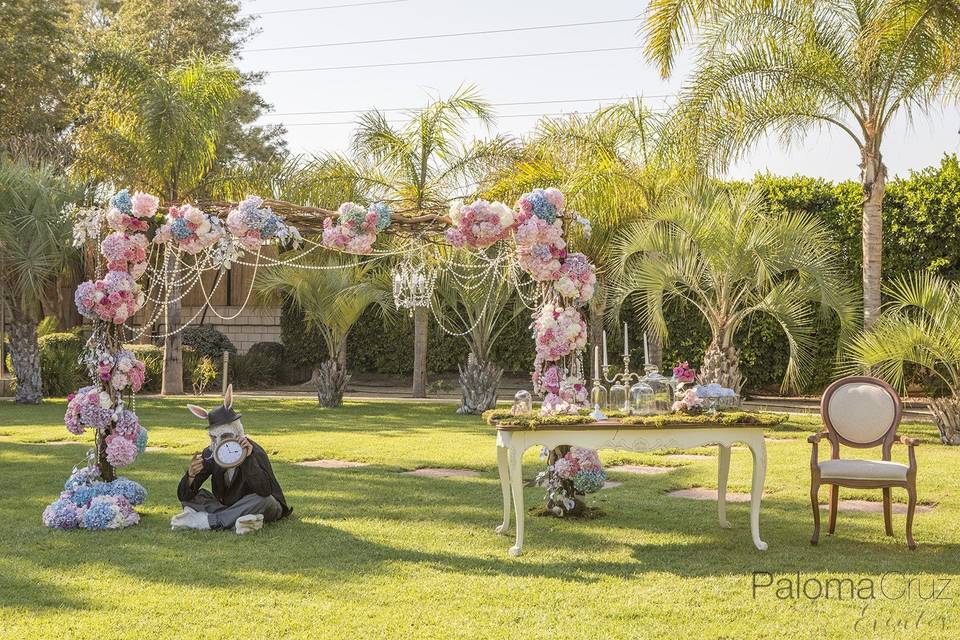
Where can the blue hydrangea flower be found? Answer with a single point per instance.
(269, 228)
(383, 215)
(542, 207)
(132, 491)
(141, 441)
(121, 200)
(179, 229)
(82, 495)
(62, 514)
(589, 481)
(100, 513)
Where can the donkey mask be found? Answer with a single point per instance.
(223, 422)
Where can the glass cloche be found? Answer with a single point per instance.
(661, 387)
(599, 396)
(617, 399)
(642, 402)
(522, 403)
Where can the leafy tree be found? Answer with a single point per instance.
(920, 326)
(332, 297)
(422, 166)
(157, 130)
(719, 251)
(790, 66)
(35, 240)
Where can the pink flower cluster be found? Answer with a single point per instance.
(190, 229)
(689, 402)
(479, 224)
(558, 331)
(541, 248)
(114, 298)
(121, 451)
(122, 370)
(683, 373)
(355, 230)
(88, 408)
(576, 460)
(125, 252)
(128, 213)
(577, 280)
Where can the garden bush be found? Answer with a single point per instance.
(208, 341)
(266, 359)
(60, 364)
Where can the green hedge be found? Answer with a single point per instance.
(60, 365)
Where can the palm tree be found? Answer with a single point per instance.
(721, 254)
(158, 130)
(423, 165)
(790, 66)
(332, 296)
(478, 299)
(607, 167)
(35, 241)
(920, 325)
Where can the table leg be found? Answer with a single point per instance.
(516, 483)
(722, 474)
(759, 450)
(503, 467)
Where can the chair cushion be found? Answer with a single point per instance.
(863, 470)
(861, 412)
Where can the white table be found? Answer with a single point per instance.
(513, 441)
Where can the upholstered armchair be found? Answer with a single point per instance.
(862, 412)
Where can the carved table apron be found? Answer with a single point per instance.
(513, 441)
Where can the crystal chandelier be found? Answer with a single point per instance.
(412, 285)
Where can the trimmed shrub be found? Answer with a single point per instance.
(208, 341)
(60, 364)
(264, 361)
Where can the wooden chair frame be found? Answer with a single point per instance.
(886, 441)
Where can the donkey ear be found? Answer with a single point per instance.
(200, 412)
(228, 397)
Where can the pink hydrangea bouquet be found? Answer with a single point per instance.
(558, 331)
(254, 225)
(682, 373)
(690, 402)
(190, 229)
(131, 213)
(578, 471)
(122, 370)
(479, 224)
(125, 252)
(356, 228)
(88, 408)
(577, 279)
(114, 298)
(540, 248)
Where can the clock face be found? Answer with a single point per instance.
(228, 453)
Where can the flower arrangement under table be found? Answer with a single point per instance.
(516, 434)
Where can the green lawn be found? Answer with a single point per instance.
(370, 553)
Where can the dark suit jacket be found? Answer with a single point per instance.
(254, 475)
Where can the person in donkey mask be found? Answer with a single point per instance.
(245, 492)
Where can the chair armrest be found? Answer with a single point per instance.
(815, 438)
(814, 453)
(910, 442)
(911, 455)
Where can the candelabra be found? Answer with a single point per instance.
(618, 397)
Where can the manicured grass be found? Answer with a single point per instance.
(370, 553)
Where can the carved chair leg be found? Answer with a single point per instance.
(887, 511)
(911, 507)
(815, 503)
(834, 503)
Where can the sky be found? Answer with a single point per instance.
(555, 84)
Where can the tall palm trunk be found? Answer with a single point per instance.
(420, 335)
(873, 180)
(25, 354)
(173, 343)
(479, 383)
(721, 364)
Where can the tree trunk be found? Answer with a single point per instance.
(479, 382)
(946, 415)
(25, 354)
(332, 382)
(107, 472)
(420, 335)
(721, 365)
(173, 343)
(655, 346)
(873, 180)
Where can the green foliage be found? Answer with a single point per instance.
(208, 341)
(202, 375)
(60, 364)
(264, 362)
(48, 325)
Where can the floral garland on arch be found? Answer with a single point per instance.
(94, 497)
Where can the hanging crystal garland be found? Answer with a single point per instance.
(413, 284)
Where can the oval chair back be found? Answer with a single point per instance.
(861, 412)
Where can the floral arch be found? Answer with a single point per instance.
(148, 252)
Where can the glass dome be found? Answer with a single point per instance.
(617, 399)
(661, 387)
(598, 396)
(522, 403)
(642, 400)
